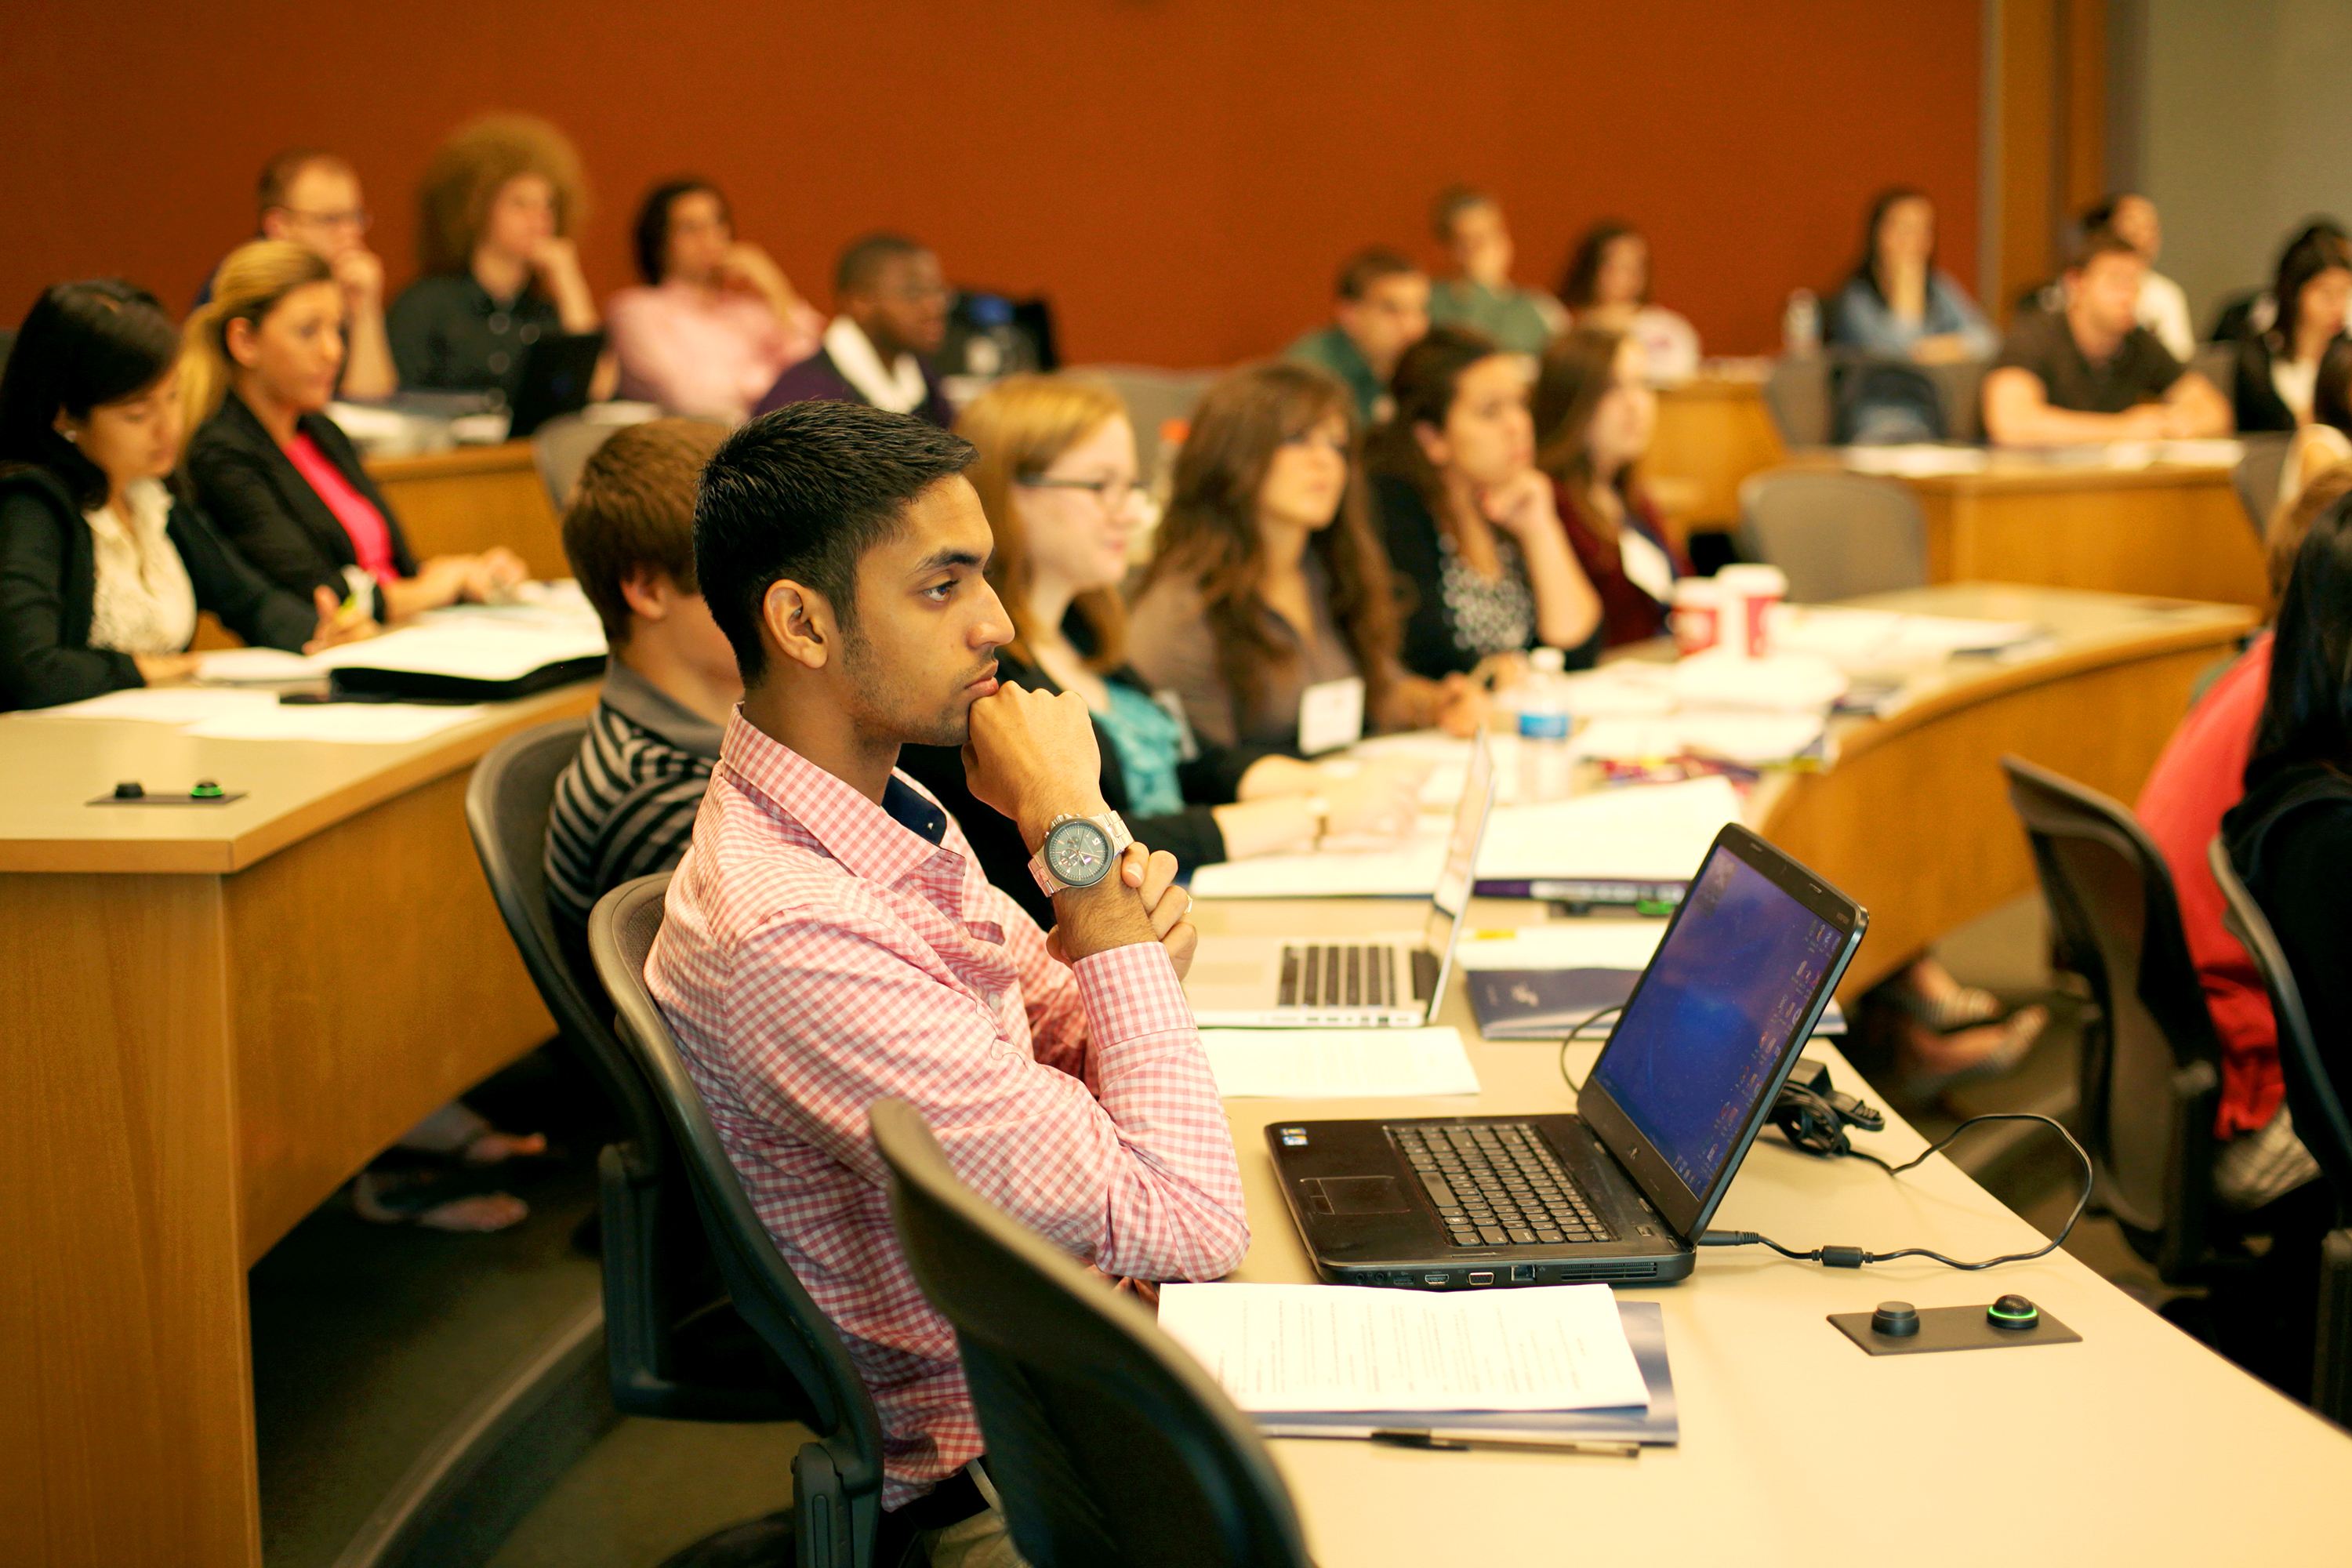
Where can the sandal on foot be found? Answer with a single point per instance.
(1920, 1082)
(422, 1198)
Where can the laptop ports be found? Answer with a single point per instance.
(1482, 1277)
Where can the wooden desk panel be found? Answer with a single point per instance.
(215, 1016)
(373, 978)
(2179, 533)
(1712, 432)
(463, 501)
(126, 1388)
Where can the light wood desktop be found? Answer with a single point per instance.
(1713, 431)
(464, 500)
(2171, 529)
(2137, 1445)
(215, 1014)
(1912, 819)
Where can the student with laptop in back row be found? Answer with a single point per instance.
(830, 940)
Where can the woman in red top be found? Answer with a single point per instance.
(1594, 411)
(273, 472)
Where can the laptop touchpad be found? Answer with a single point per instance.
(1357, 1194)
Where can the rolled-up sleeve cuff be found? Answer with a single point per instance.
(1131, 993)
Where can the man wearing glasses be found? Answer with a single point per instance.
(893, 304)
(313, 198)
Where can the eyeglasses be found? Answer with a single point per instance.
(356, 219)
(1113, 494)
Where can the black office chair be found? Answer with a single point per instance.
(2256, 477)
(1835, 535)
(1107, 1443)
(836, 1478)
(2320, 1121)
(2150, 1073)
(673, 1348)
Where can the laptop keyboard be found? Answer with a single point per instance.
(1498, 1184)
(1344, 976)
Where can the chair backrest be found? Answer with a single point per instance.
(1836, 535)
(561, 447)
(1960, 385)
(766, 1292)
(1797, 395)
(665, 1349)
(2217, 362)
(2320, 1120)
(2257, 475)
(508, 802)
(2151, 1068)
(1107, 1443)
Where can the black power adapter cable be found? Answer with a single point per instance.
(1837, 1257)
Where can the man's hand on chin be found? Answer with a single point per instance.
(1033, 757)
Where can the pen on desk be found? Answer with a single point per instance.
(1465, 1441)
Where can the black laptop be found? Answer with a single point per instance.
(1617, 1191)
(556, 371)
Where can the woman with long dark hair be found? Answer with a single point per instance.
(104, 563)
(2276, 384)
(1607, 286)
(1897, 305)
(1595, 413)
(1269, 581)
(1467, 518)
(2291, 837)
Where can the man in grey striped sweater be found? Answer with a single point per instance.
(625, 806)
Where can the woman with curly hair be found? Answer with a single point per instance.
(496, 209)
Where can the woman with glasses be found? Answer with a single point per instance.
(1269, 586)
(717, 321)
(1056, 476)
(499, 270)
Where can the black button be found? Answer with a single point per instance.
(130, 789)
(1896, 1320)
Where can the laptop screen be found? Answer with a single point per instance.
(1703, 1038)
(1457, 876)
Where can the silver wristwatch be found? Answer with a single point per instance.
(1079, 852)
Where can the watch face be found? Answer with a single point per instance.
(1079, 853)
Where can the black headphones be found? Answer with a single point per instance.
(1813, 1115)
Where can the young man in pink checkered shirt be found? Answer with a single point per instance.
(830, 940)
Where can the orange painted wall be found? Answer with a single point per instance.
(1181, 175)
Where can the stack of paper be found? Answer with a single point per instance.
(1338, 1064)
(1281, 1349)
(165, 705)
(254, 667)
(471, 647)
(1882, 639)
(1915, 461)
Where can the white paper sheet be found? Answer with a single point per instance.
(1915, 461)
(1637, 833)
(166, 705)
(1600, 943)
(1879, 637)
(381, 723)
(1755, 739)
(1338, 1064)
(1296, 1348)
(479, 648)
(256, 666)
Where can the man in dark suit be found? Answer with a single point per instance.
(893, 304)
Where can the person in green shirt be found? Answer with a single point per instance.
(1469, 224)
(1380, 310)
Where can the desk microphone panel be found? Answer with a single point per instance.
(1952, 1329)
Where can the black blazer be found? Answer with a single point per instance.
(1213, 778)
(261, 503)
(48, 581)
(1410, 534)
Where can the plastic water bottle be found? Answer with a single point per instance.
(1801, 324)
(1546, 768)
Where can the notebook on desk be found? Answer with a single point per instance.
(1619, 1190)
(1319, 981)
